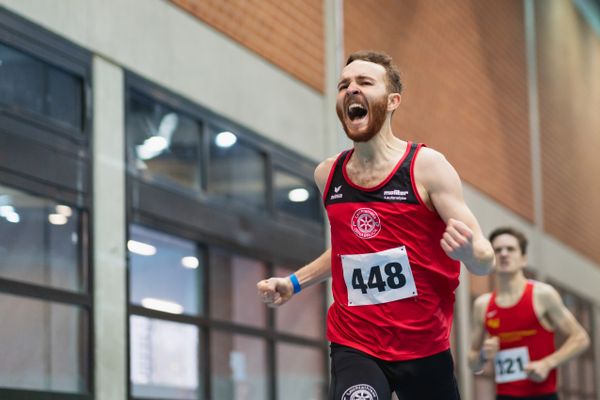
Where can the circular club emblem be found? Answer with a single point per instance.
(360, 392)
(365, 223)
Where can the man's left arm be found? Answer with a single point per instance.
(553, 309)
(463, 239)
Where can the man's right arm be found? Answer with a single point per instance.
(276, 291)
(482, 348)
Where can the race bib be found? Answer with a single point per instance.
(377, 278)
(510, 364)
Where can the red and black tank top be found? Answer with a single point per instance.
(393, 285)
(520, 332)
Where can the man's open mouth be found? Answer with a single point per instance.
(356, 111)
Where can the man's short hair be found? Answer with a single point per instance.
(509, 230)
(394, 84)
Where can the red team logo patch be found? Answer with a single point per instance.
(365, 223)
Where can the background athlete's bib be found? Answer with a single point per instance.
(510, 364)
(377, 278)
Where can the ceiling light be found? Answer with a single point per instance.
(225, 139)
(141, 248)
(190, 262)
(13, 217)
(64, 210)
(162, 305)
(298, 195)
(6, 210)
(57, 219)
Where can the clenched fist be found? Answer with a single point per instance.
(490, 347)
(457, 240)
(275, 291)
(538, 371)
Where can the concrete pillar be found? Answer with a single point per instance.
(109, 233)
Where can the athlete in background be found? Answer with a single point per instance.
(399, 227)
(515, 324)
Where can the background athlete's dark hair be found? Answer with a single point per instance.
(393, 74)
(509, 230)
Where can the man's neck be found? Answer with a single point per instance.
(382, 147)
(510, 284)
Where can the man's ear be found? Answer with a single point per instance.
(394, 100)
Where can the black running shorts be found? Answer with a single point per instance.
(552, 396)
(357, 375)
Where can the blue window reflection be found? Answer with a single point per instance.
(165, 272)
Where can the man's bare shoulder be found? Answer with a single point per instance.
(480, 306)
(546, 294)
(322, 172)
(428, 157)
(482, 301)
(434, 172)
(430, 163)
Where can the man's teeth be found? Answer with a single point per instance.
(356, 111)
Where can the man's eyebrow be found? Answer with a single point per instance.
(358, 77)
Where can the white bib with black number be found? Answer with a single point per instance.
(377, 278)
(510, 364)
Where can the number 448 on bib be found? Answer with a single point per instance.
(376, 278)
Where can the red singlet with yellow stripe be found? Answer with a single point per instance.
(518, 326)
(393, 285)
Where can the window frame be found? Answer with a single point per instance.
(147, 197)
(208, 324)
(259, 230)
(44, 142)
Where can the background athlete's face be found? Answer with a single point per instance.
(509, 257)
(362, 101)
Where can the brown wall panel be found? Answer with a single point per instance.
(464, 69)
(289, 33)
(569, 91)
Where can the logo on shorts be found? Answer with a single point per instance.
(360, 392)
(365, 223)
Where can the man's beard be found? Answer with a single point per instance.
(377, 112)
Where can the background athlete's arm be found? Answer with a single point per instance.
(463, 239)
(553, 310)
(482, 348)
(276, 291)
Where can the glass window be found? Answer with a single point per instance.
(42, 345)
(64, 97)
(296, 196)
(237, 171)
(27, 83)
(164, 359)
(165, 272)
(232, 282)
(39, 241)
(305, 316)
(239, 367)
(163, 144)
(300, 373)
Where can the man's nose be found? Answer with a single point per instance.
(353, 88)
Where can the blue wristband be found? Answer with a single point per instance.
(295, 283)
